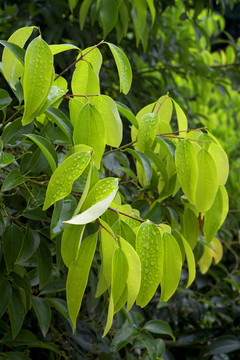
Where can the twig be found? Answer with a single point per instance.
(120, 148)
(109, 232)
(130, 216)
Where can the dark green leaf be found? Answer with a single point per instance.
(224, 345)
(16, 312)
(15, 49)
(5, 99)
(54, 286)
(63, 210)
(13, 179)
(44, 259)
(13, 134)
(12, 241)
(43, 312)
(15, 355)
(144, 162)
(159, 327)
(6, 293)
(125, 111)
(29, 246)
(61, 120)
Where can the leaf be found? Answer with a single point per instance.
(6, 294)
(78, 276)
(54, 95)
(43, 312)
(159, 164)
(16, 312)
(13, 179)
(71, 241)
(107, 247)
(54, 286)
(143, 161)
(150, 252)
(181, 118)
(207, 181)
(224, 345)
(134, 273)
(72, 4)
(47, 149)
(93, 56)
(190, 227)
(147, 131)
(217, 251)
(61, 306)
(123, 66)
(12, 241)
(59, 48)
(189, 255)
(61, 120)
(15, 355)
(206, 259)
(5, 99)
(221, 161)
(172, 265)
(119, 278)
(84, 80)
(159, 327)
(109, 14)
(94, 212)
(152, 10)
(44, 263)
(29, 246)
(13, 134)
(216, 215)
(187, 168)
(18, 52)
(89, 129)
(61, 181)
(83, 12)
(112, 121)
(12, 68)
(63, 210)
(126, 112)
(38, 78)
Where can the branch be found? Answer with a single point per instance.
(120, 148)
(130, 216)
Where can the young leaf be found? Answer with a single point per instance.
(90, 130)
(150, 252)
(221, 161)
(94, 212)
(181, 118)
(123, 66)
(16, 50)
(126, 112)
(54, 95)
(134, 274)
(47, 149)
(207, 181)
(187, 168)
(190, 227)
(112, 121)
(78, 276)
(172, 265)
(143, 161)
(38, 78)
(107, 247)
(215, 216)
(43, 312)
(84, 80)
(61, 181)
(59, 48)
(217, 251)
(71, 241)
(147, 131)
(206, 259)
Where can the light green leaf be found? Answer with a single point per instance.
(207, 185)
(109, 14)
(216, 215)
(181, 119)
(47, 149)
(18, 52)
(43, 312)
(187, 168)
(84, 79)
(112, 121)
(54, 95)
(189, 255)
(93, 56)
(90, 130)
(190, 227)
(110, 316)
(58, 48)
(94, 212)
(78, 276)
(72, 4)
(107, 247)
(152, 9)
(134, 274)
(205, 260)
(172, 265)
(71, 241)
(75, 105)
(221, 161)
(38, 78)
(61, 181)
(123, 66)
(147, 131)
(150, 252)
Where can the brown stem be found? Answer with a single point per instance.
(184, 138)
(130, 216)
(120, 148)
(76, 61)
(73, 95)
(113, 235)
(162, 103)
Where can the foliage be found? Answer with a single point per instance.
(51, 138)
